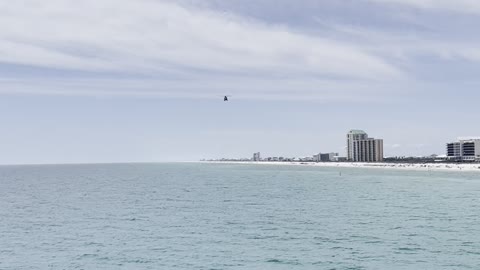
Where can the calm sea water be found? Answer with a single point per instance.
(209, 216)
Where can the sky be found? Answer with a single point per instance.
(143, 81)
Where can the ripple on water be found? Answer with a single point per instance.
(202, 216)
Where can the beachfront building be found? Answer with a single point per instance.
(325, 157)
(256, 156)
(340, 159)
(464, 150)
(368, 150)
(353, 136)
(454, 150)
(361, 148)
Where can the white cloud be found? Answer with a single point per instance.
(162, 39)
(407, 46)
(466, 6)
(167, 49)
(202, 88)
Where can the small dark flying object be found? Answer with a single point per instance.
(225, 98)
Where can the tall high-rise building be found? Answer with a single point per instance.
(354, 135)
(256, 156)
(361, 148)
(368, 150)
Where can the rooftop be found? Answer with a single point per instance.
(357, 131)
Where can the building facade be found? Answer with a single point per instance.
(325, 157)
(353, 136)
(361, 148)
(464, 150)
(368, 150)
(256, 156)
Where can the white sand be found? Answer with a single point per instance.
(399, 166)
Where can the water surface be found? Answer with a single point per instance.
(220, 216)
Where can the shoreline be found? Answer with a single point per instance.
(475, 167)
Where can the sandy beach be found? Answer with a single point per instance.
(474, 167)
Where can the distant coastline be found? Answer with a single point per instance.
(473, 167)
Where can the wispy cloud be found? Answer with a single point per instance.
(186, 49)
(166, 40)
(407, 46)
(465, 6)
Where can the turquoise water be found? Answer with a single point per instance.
(220, 216)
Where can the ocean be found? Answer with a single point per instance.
(231, 216)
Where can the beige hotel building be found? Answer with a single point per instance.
(361, 148)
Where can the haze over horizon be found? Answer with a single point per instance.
(143, 81)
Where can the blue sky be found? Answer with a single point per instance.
(120, 81)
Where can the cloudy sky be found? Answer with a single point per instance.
(143, 80)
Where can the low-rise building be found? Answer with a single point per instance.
(464, 150)
(339, 159)
(325, 157)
